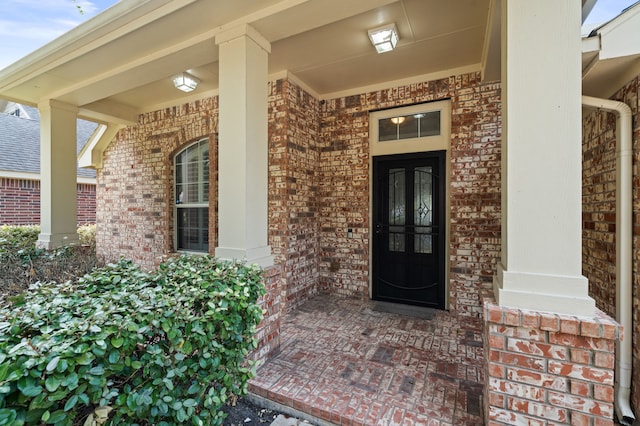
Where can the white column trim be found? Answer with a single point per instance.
(58, 165)
(543, 292)
(258, 255)
(541, 265)
(243, 146)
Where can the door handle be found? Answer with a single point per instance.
(378, 228)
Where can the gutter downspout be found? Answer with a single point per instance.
(624, 253)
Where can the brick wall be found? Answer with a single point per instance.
(318, 185)
(344, 196)
(268, 331)
(136, 218)
(599, 214)
(293, 188)
(135, 186)
(599, 208)
(544, 369)
(135, 194)
(20, 202)
(86, 203)
(476, 126)
(474, 191)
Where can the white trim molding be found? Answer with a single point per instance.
(8, 174)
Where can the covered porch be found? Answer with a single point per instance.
(353, 362)
(285, 109)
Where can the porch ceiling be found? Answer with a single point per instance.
(120, 63)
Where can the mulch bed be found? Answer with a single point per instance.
(244, 412)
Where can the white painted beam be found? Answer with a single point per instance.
(108, 111)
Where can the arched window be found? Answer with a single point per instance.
(191, 167)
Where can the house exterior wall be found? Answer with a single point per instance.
(318, 185)
(474, 191)
(86, 203)
(268, 331)
(599, 215)
(20, 202)
(135, 186)
(294, 170)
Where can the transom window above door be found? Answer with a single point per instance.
(409, 126)
(415, 128)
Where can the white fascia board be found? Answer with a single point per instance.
(85, 157)
(8, 174)
(90, 181)
(591, 44)
(91, 153)
(620, 37)
(120, 19)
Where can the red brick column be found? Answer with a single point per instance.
(268, 332)
(548, 369)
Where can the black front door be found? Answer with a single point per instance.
(408, 229)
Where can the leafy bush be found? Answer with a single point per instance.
(162, 348)
(17, 238)
(22, 264)
(87, 235)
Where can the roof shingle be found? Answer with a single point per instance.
(20, 143)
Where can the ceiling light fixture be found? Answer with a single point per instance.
(185, 82)
(385, 38)
(397, 120)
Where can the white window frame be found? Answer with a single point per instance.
(177, 206)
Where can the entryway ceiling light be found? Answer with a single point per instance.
(185, 82)
(384, 38)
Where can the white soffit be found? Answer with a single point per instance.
(120, 63)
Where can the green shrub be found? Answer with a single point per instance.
(22, 264)
(18, 239)
(163, 348)
(87, 235)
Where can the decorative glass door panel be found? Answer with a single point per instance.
(408, 239)
(397, 210)
(423, 209)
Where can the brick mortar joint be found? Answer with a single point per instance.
(607, 327)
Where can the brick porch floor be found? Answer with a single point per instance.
(343, 362)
